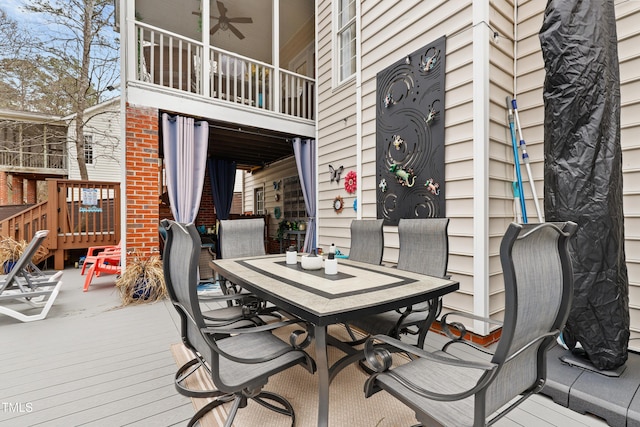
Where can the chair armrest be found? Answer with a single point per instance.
(380, 359)
(209, 333)
(93, 250)
(373, 353)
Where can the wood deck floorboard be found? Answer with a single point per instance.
(70, 392)
(92, 362)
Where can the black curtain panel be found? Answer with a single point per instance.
(222, 175)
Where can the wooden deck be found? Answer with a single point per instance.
(94, 363)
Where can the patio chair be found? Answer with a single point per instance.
(456, 390)
(367, 245)
(92, 253)
(367, 241)
(25, 285)
(242, 238)
(424, 249)
(240, 315)
(106, 262)
(239, 360)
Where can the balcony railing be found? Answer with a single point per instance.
(173, 61)
(24, 159)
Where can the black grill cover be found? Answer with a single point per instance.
(583, 170)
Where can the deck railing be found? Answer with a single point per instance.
(79, 214)
(173, 61)
(22, 159)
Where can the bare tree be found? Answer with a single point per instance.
(17, 64)
(81, 50)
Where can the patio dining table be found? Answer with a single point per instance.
(359, 289)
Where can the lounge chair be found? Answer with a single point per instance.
(31, 286)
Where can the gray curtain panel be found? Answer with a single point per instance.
(305, 153)
(185, 155)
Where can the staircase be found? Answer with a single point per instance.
(78, 214)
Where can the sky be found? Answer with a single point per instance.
(13, 9)
(38, 25)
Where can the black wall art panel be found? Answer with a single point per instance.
(410, 136)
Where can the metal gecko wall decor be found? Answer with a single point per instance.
(410, 136)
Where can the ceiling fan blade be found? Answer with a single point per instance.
(241, 20)
(214, 28)
(222, 9)
(235, 31)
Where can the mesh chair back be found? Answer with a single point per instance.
(538, 282)
(367, 241)
(241, 238)
(424, 245)
(180, 263)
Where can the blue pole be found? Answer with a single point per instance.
(514, 143)
(525, 159)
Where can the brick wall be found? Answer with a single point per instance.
(142, 143)
(206, 213)
(32, 191)
(4, 189)
(17, 191)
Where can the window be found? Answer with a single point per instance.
(258, 200)
(293, 200)
(88, 149)
(346, 39)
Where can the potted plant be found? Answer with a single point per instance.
(142, 280)
(285, 225)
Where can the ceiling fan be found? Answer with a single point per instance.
(225, 23)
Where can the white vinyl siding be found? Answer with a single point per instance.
(391, 30)
(103, 129)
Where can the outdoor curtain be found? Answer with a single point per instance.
(305, 153)
(185, 152)
(222, 175)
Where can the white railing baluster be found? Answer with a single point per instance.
(152, 57)
(245, 81)
(161, 62)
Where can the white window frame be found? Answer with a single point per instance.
(341, 29)
(89, 155)
(259, 200)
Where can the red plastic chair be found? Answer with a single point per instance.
(93, 252)
(107, 262)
